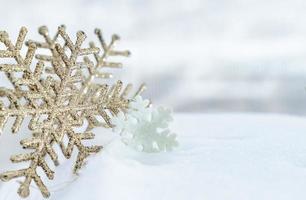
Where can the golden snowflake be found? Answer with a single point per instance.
(58, 93)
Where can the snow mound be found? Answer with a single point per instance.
(220, 157)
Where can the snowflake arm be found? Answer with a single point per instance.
(42, 148)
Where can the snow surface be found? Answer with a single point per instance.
(221, 157)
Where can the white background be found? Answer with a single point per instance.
(195, 55)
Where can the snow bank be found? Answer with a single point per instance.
(221, 157)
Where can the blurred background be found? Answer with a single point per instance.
(194, 55)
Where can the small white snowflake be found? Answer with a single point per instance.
(145, 128)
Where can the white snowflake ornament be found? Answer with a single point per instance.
(145, 128)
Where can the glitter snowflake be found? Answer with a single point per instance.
(58, 93)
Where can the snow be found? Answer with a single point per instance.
(221, 156)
